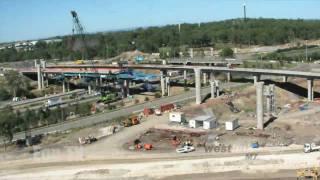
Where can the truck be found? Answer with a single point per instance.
(53, 102)
(311, 147)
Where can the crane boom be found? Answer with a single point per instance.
(77, 26)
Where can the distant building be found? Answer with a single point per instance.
(26, 45)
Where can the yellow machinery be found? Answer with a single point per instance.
(79, 62)
(308, 173)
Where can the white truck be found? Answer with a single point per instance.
(53, 102)
(311, 147)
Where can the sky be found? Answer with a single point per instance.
(34, 19)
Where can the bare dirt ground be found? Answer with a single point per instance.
(60, 157)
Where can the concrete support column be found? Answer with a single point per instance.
(212, 77)
(39, 76)
(273, 101)
(197, 73)
(213, 89)
(284, 79)
(97, 82)
(35, 63)
(191, 52)
(217, 83)
(168, 85)
(228, 76)
(256, 78)
(185, 74)
(205, 77)
(127, 87)
(63, 86)
(89, 88)
(162, 82)
(259, 89)
(310, 90)
(68, 86)
(42, 80)
(268, 95)
(100, 81)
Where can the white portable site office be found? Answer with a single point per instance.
(232, 125)
(176, 117)
(207, 122)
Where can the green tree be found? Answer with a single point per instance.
(16, 83)
(226, 52)
(7, 124)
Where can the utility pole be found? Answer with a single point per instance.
(244, 11)
(306, 44)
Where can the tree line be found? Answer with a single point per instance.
(13, 121)
(235, 32)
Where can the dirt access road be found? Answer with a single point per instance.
(107, 159)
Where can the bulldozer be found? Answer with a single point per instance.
(131, 121)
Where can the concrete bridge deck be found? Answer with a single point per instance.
(115, 68)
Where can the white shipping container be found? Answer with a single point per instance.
(209, 124)
(176, 116)
(232, 125)
(193, 124)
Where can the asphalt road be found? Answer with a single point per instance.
(103, 117)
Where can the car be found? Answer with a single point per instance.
(185, 149)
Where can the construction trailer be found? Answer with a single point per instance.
(206, 122)
(232, 125)
(176, 117)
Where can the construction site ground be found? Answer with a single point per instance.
(281, 144)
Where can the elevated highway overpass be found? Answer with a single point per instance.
(256, 73)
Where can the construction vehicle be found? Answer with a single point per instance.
(108, 98)
(53, 102)
(310, 147)
(308, 173)
(131, 121)
(186, 148)
(87, 140)
(147, 147)
(79, 62)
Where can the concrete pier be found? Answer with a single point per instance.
(63, 86)
(191, 52)
(168, 85)
(162, 82)
(39, 76)
(217, 83)
(213, 89)
(229, 76)
(284, 79)
(185, 74)
(205, 77)
(310, 90)
(256, 78)
(197, 73)
(259, 89)
(89, 89)
(268, 103)
(127, 87)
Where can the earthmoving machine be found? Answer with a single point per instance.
(311, 147)
(131, 121)
(308, 173)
